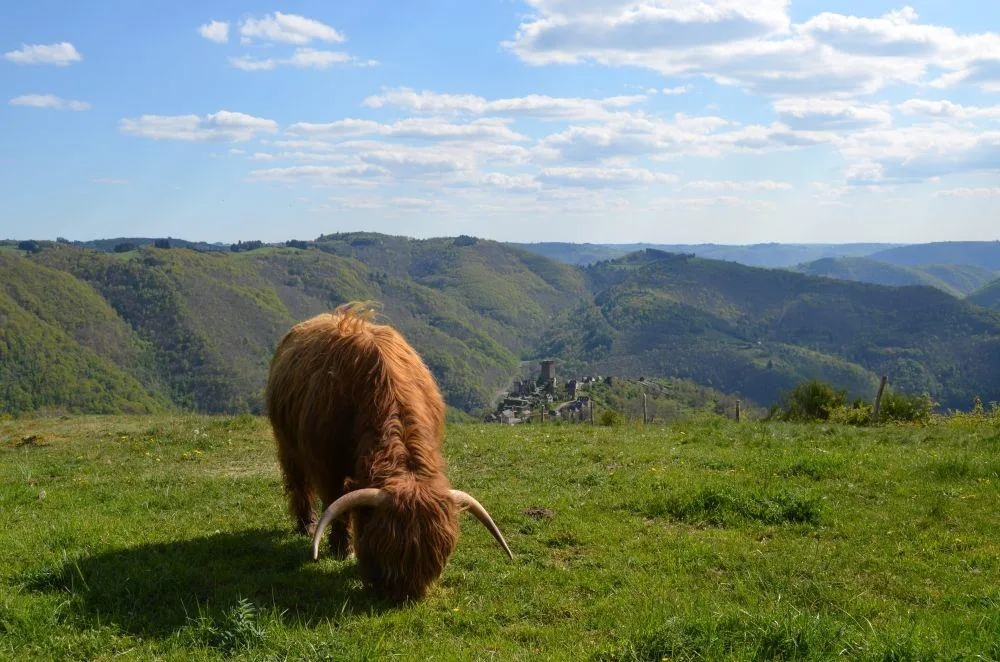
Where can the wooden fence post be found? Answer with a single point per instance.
(591, 412)
(878, 399)
(645, 418)
(737, 411)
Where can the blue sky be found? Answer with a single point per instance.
(729, 121)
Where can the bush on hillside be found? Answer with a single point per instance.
(815, 401)
(905, 408)
(610, 418)
(858, 413)
(810, 401)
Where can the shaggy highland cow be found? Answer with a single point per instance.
(358, 420)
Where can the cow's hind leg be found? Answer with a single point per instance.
(299, 493)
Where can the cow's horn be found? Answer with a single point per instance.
(368, 496)
(477, 509)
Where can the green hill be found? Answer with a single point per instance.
(757, 332)
(152, 328)
(957, 280)
(985, 254)
(988, 296)
(108, 245)
(210, 321)
(966, 278)
(63, 347)
(755, 255)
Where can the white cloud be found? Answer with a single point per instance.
(831, 114)
(62, 54)
(397, 203)
(894, 35)
(918, 153)
(567, 31)
(404, 162)
(576, 200)
(742, 186)
(510, 183)
(433, 129)
(298, 156)
(338, 128)
(223, 126)
(993, 192)
(635, 135)
(302, 58)
(981, 71)
(771, 138)
(700, 204)
(486, 129)
(309, 58)
(533, 105)
(625, 136)
(288, 28)
(593, 178)
(673, 91)
(755, 45)
(357, 202)
(109, 180)
(947, 109)
(217, 31)
(305, 58)
(48, 101)
(419, 204)
(320, 175)
(247, 63)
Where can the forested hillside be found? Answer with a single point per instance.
(987, 296)
(758, 332)
(956, 279)
(145, 329)
(204, 325)
(755, 255)
(63, 346)
(984, 254)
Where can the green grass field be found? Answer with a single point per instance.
(166, 537)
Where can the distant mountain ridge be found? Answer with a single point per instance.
(754, 255)
(985, 254)
(958, 268)
(958, 280)
(108, 245)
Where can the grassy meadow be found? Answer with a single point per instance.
(166, 537)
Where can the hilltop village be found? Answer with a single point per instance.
(547, 399)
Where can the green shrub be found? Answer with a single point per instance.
(810, 401)
(905, 408)
(858, 413)
(611, 418)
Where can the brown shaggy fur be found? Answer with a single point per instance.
(352, 405)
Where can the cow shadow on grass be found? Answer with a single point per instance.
(159, 589)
